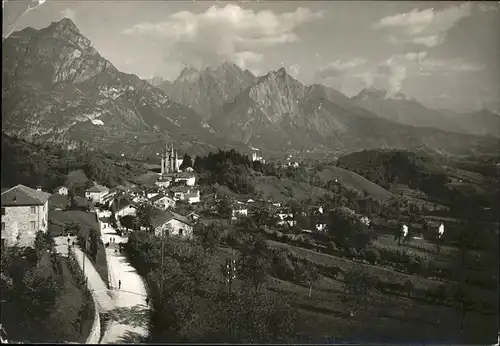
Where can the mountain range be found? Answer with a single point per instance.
(57, 88)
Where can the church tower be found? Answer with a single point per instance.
(169, 160)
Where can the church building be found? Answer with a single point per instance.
(170, 161)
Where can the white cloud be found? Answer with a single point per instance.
(489, 6)
(447, 66)
(428, 41)
(69, 13)
(423, 27)
(225, 33)
(340, 65)
(338, 69)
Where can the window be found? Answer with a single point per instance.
(3, 226)
(32, 225)
(181, 231)
(3, 211)
(33, 210)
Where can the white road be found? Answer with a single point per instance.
(129, 319)
(126, 305)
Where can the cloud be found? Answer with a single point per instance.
(428, 41)
(228, 33)
(448, 66)
(488, 6)
(69, 13)
(337, 68)
(423, 27)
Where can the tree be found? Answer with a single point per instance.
(357, 286)
(263, 216)
(224, 207)
(145, 215)
(186, 162)
(372, 255)
(209, 236)
(254, 263)
(312, 275)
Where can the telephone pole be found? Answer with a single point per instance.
(162, 263)
(230, 272)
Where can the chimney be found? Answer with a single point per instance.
(39, 188)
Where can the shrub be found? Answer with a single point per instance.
(372, 256)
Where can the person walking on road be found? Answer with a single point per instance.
(119, 284)
(147, 301)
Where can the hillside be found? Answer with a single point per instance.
(404, 110)
(355, 182)
(439, 178)
(50, 166)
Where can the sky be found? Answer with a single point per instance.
(444, 54)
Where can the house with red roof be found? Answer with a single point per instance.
(25, 211)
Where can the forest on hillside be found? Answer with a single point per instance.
(430, 175)
(34, 164)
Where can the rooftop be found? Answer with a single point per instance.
(185, 175)
(23, 195)
(158, 197)
(160, 217)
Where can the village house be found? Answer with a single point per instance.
(171, 223)
(321, 227)
(25, 211)
(185, 193)
(61, 190)
(162, 202)
(193, 196)
(105, 222)
(96, 193)
(239, 209)
(108, 198)
(163, 182)
(151, 192)
(185, 177)
(193, 217)
(123, 206)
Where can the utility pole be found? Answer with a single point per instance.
(230, 272)
(162, 263)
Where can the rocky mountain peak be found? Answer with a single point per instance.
(188, 74)
(66, 30)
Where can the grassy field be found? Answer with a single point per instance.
(58, 220)
(386, 318)
(355, 181)
(416, 197)
(281, 190)
(146, 179)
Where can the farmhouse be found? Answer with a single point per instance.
(96, 193)
(24, 212)
(61, 190)
(193, 197)
(123, 206)
(162, 202)
(173, 223)
(239, 209)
